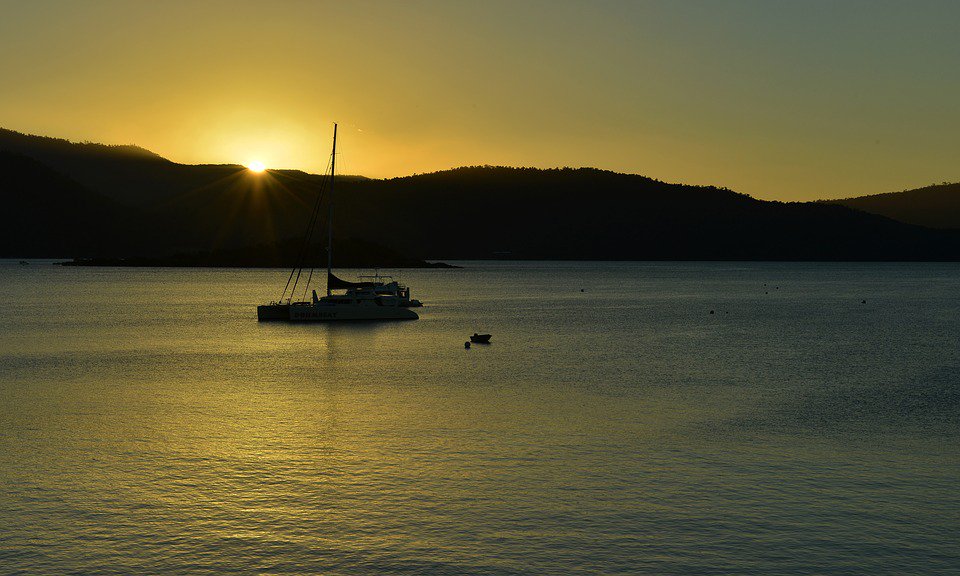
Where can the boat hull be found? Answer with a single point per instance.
(349, 313)
(267, 312)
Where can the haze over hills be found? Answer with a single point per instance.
(935, 206)
(90, 200)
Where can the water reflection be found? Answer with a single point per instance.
(619, 430)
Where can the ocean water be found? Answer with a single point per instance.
(808, 425)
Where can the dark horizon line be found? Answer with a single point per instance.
(73, 262)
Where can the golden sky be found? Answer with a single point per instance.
(780, 100)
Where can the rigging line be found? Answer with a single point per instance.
(307, 237)
(312, 268)
(327, 179)
(307, 285)
(302, 248)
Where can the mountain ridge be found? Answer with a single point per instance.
(933, 206)
(468, 212)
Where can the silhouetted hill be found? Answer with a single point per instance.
(48, 214)
(588, 214)
(936, 206)
(127, 174)
(130, 203)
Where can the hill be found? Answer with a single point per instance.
(132, 204)
(936, 206)
(49, 214)
(127, 174)
(483, 212)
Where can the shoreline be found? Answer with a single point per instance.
(175, 263)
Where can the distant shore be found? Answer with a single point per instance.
(191, 262)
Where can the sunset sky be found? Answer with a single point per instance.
(779, 100)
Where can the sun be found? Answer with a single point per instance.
(256, 166)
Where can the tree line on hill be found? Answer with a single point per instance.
(93, 201)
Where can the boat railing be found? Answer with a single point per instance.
(375, 277)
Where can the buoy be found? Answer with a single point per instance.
(466, 344)
(581, 289)
(711, 311)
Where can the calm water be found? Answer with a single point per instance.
(149, 424)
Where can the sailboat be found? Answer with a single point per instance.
(374, 298)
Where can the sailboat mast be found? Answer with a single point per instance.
(333, 161)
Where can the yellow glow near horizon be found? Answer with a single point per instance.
(724, 93)
(256, 166)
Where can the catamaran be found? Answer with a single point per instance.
(373, 298)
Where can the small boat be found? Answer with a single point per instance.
(481, 338)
